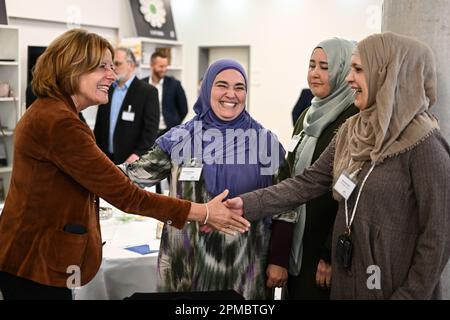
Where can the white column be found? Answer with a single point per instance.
(429, 22)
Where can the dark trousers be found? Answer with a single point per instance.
(17, 288)
(304, 287)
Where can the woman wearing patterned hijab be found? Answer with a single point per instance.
(235, 153)
(391, 237)
(301, 239)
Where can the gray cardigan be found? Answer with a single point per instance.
(402, 223)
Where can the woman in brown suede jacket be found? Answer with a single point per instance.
(50, 225)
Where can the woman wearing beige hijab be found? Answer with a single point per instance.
(389, 168)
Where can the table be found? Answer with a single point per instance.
(124, 272)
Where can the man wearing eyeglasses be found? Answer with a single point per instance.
(127, 126)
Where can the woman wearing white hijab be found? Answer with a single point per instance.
(391, 236)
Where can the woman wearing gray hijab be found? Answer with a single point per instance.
(389, 168)
(300, 252)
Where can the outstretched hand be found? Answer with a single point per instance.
(226, 219)
(236, 205)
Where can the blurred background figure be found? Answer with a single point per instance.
(303, 102)
(127, 126)
(172, 98)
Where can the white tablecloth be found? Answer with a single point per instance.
(124, 272)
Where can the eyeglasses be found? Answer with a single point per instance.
(118, 63)
(107, 67)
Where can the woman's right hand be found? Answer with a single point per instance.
(276, 276)
(236, 205)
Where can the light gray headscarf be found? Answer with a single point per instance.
(321, 114)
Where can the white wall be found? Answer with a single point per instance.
(281, 35)
(104, 13)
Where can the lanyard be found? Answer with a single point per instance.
(347, 223)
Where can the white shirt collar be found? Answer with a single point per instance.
(161, 82)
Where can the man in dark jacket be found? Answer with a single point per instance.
(173, 102)
(127, 126)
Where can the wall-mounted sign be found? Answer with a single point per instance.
(153, 19)
(3, 15)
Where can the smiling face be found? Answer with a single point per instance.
(159, 67)
(228, 95)
(357, 80)
(318, 77)
(94, 86)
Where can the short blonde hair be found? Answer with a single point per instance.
(74, 53)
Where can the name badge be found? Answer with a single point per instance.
(294, 142)
(345, 186)
(128, 115)
(190, 174)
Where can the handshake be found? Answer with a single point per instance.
(223, 216)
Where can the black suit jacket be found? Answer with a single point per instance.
(130, 137)
(174, 102)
